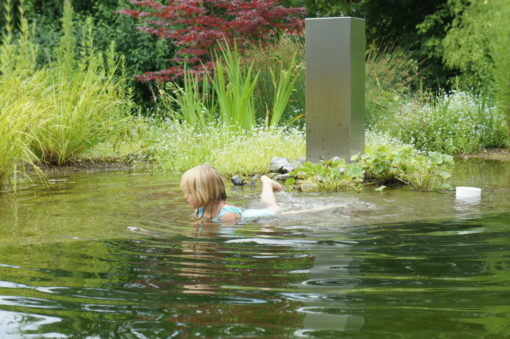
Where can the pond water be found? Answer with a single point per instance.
(109, 255)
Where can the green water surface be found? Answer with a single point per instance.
(118, 255)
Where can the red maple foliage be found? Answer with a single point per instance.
(196, 27)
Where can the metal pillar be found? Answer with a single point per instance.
(335, 87)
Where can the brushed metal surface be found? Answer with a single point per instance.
(335, 87)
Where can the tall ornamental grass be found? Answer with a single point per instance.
(229, 94)
(52, 113)
(454, 123)
(20, 99)
(87, 101)
(279, 96)
(390, 75)
(193, 102)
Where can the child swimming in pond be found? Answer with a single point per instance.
(204, 190)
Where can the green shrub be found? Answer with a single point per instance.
(454, 123)
(477, 44)
(390, 76)
(499, 42)
(467, 42)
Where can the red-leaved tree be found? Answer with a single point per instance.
(197, 26)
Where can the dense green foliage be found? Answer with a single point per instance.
(385, 161)
(478, 44)
(454, 123)
(72, 98)
(418, 27)
(52, 113)
(390, 23)
(141, 51)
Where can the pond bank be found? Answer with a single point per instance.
(502, 154)
(91, 165)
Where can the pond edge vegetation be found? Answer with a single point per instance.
(78, 106)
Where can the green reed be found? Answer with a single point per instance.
(234, 87)
(193, 102)
(229, 93)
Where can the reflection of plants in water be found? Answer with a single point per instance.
(482, 171)
(495, 270)
(219, 284)
(68, 265)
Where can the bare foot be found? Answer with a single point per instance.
(272, 183)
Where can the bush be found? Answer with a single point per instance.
(454, 123)
(390, 77)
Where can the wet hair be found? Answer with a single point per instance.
(204, 184)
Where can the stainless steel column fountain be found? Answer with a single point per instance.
(335, 87)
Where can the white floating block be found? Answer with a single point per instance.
(468, 193)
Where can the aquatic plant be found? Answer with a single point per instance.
(193, 102)
(20, 104)
(233, 87)
(283, 57)
(330, 176)
(385, 161)
(86, 100)
(384, 164)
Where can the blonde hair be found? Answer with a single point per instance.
(204, 184)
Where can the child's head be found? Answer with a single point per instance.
(202, 185)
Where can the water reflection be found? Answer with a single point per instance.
(118, 255)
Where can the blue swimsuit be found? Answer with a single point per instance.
(244, 213)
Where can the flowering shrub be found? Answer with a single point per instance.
(454, 123)
(180, 146)
(196, 26)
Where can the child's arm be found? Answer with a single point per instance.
(269, 186)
